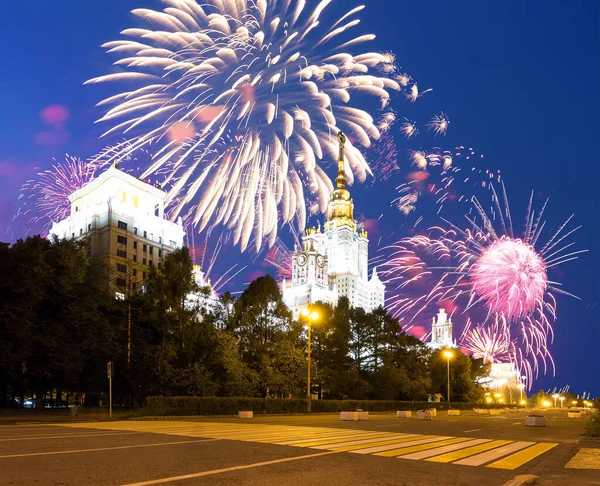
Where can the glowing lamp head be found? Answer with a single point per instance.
(488, 400)
(497, 395)
(448, 354)
(314, 315)
(305, 312)
(522, 402)
(546, 403)
(521, 386)
(555, 395)
(510, 277)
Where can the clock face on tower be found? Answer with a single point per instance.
(301, 259)
(320, 261)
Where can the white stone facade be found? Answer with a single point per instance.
(441, 332)
(122, 218)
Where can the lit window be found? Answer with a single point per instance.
(119, 295)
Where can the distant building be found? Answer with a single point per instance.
(333, 262)
(441, 332)
(122, 219)
(207, 298)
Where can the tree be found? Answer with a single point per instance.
(464, 372)
(262, 323)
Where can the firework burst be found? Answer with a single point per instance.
(50, 190)
(485, 270)
(439, 124)
(244, 100)
(409, 129)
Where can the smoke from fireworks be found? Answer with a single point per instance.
(244, 100)
(484, 270)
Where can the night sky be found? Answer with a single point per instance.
(519, 81)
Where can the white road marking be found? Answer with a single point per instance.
(400, 445)
(443, 450)
(106, 448)
(479, 459)
(93, 434)
(229, 469)
(472, 430)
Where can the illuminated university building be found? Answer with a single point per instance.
(122, 219)
(441, 331)
(333, 262)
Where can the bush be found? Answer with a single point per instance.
(592, 425)
(232, 405)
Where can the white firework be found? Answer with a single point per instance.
(243, 100)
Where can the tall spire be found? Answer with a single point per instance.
(341, 177)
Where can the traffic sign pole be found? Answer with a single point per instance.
(109, 370)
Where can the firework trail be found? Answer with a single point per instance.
(244, 99)
(487, 271)
(439, 179)
(489, 343)
(46, 197)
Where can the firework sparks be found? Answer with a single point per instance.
(51, 189)
(409, 129)
(274, 78)
(439, 124)
(490, 344)
(485, 269)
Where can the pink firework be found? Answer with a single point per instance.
(488, 343)
(511, 277)
(487, 273)
(50, 191)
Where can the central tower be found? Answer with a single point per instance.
(334, 262)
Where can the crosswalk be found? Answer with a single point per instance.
(464, 451)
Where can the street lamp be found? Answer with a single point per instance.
(521, 386)
(448, 355)
(311, 317)
(555, 396)
(562, 399)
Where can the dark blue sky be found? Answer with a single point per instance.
(519, 81)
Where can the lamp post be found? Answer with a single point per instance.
(311, 317)
(555, 396)
(448, 354)
(562, 399)
(521, 386)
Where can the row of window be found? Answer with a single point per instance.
(122, 225)
(123, 241)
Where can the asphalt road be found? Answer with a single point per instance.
(227, 451)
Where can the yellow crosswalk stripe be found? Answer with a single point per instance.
(412, 440)
(392, 442)
(334, 441)
(488, 456)
(455, 456)
(498, 454)
(366, 442)
(518, 459)
(396, 452)
(432, 445)
(417, 456)
(315, 437)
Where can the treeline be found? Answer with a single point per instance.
(60, 325)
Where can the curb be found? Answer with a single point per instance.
(522, 479)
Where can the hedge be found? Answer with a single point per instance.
(231, 405)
